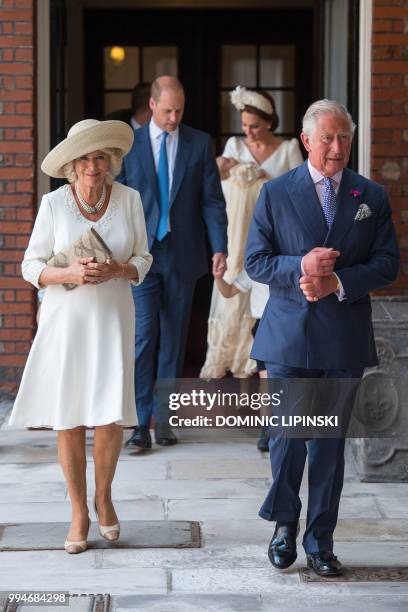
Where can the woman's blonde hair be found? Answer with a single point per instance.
(115, 164)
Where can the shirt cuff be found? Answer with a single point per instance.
(341, 294)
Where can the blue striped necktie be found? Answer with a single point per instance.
(329, 201)
(163, 182)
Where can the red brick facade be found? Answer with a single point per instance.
(18, 200)
(17, 184)
(389, 161)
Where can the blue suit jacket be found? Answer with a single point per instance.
(288, 222)
(196, 200)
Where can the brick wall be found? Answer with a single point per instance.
(390, 117)
(17, 185)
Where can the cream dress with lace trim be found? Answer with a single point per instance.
(80, 370)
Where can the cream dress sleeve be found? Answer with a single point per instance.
(141, 258)
(41, 245)
(231, 149)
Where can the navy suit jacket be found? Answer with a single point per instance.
(288, 222)
(197, 205)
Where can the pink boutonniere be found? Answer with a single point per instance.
(355, 193)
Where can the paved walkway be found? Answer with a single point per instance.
(217, 478)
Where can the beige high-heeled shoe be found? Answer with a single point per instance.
(109, 532)
(74, 547)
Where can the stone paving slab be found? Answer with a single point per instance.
(37, 512)
(25, 561)
(368, 530)
(324, 601)
(191, 489)
(393, 507)
(212, 508)
(204, 509)
(80, 603)
(236, 580)
(36, 492)
(87, 580)
(258, 603)
(198, 450)
(257, 531)
(129, 472)
(220, 468)
(379, 489)
(268, 580)
(190, 603)
(84, 603)
(232, 556)
(134, 534)
(25, 453)
(252, 555)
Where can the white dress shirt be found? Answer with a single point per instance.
(171, 144)
(318, 181)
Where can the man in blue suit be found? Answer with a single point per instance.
(322, 238)
(174, 169)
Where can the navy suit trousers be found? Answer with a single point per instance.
(325, 472)
(163, 308)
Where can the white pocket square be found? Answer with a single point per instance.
(364, 211)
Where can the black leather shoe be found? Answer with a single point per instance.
(141, 438)
(163, 435)
(324, 563)
(282, 548)
(263, 440)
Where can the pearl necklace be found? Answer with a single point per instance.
(91, 210)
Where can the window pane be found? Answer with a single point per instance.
(285, 107)
(116, 101)
(238, 65)
(230, 117)
(159, 60)
(124, 74)
(277, 65)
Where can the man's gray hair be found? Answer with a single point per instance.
(321, 107)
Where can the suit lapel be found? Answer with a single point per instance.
(346, 208)
(302, 193)
(147, 157)
(182, 156)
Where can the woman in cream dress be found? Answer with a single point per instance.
(246, 163)
(80, 370)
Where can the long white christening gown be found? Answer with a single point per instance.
(230, 321)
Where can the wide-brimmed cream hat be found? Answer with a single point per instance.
(84, 137)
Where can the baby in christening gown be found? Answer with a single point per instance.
(230, 321)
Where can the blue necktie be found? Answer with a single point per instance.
(163, 182)
(329, 201)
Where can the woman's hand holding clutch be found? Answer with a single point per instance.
(96, 273)
(75, 273)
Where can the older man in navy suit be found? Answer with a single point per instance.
(322, 238)
(174, 169)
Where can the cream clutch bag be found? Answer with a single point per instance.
(90, 244)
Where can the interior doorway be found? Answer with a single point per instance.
(211, 51)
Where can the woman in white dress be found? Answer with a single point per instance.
(246, 163)
(79, 372)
